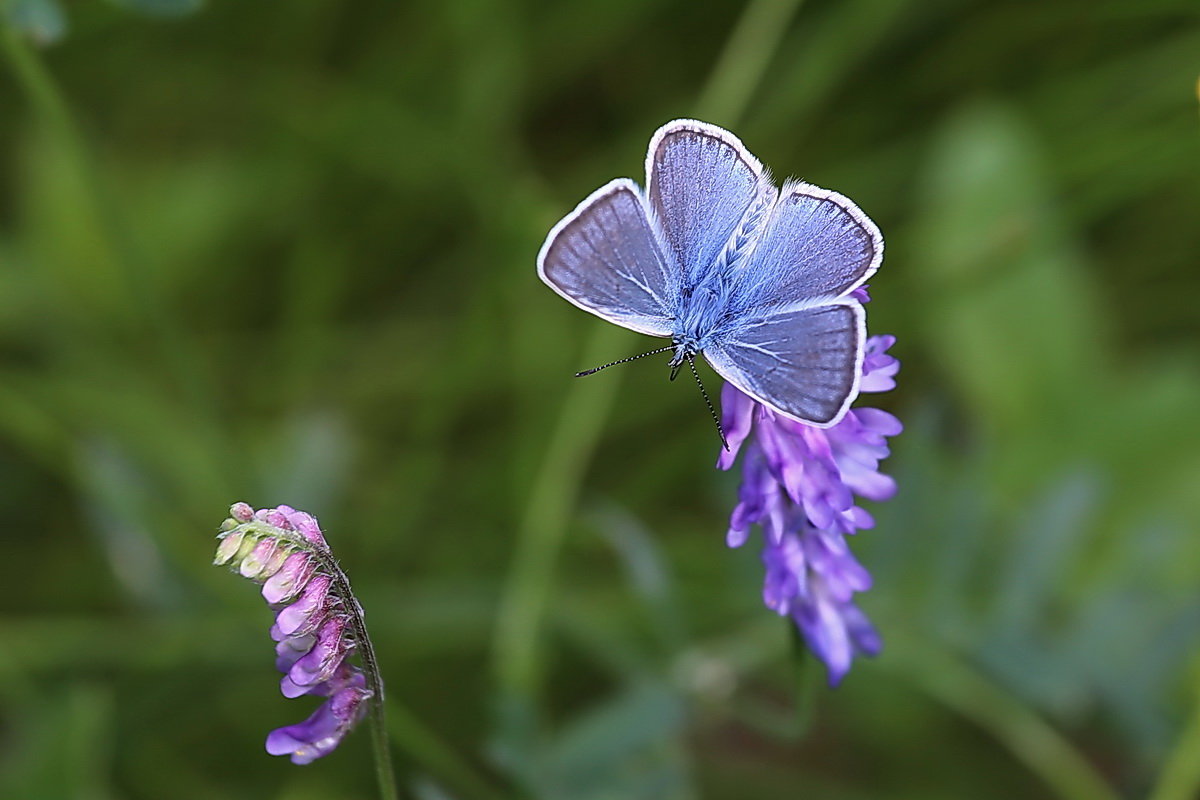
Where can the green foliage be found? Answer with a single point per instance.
(286, 255)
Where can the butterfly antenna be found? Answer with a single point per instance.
(707, 402)
(624, 361)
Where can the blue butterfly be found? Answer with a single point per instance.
(713, 255)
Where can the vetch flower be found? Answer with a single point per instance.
(321, 733)
(318, 623)
(799, 485)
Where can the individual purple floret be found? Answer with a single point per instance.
(800, 484)
(321, 733)
(318, 623)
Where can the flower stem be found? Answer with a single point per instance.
(384, 771)
(385, 774)
(588, 402)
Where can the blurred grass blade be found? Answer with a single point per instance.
(119, 504)
(1179, 778)
(1055, 529)
(746, 56)
(551, 503)
(1011, 317)
(61, 745)
(43, 21)
(1042, 749)
(627, 747)
(646, 570)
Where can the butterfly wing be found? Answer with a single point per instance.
(817, 244)
(700, 183)
(804, 362)
(606, 258)
(797, 342)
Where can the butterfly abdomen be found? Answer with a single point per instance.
(741, 242)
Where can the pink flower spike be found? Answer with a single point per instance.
(318, 623)
(302, 614)
(293, 576)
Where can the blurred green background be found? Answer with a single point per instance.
(284, 253)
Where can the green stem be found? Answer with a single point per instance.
(1180, 775)
(385, 774)
(1026, 735)
(547, 513)
(589, 401)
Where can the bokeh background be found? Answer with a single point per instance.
(284, 253)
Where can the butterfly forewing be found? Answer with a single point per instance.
(700, 182)
(803, 362)
(605, 258)
(817, 244)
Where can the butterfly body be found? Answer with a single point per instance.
(712, 255)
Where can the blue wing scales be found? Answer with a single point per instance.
(802, 362)
(605, 258)
(816, 245)
(700, 184)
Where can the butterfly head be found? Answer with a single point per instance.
(686, 349)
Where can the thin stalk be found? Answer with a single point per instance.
(588, 404)
(1027, 736)
(385, 773)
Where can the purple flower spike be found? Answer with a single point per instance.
(799, 484)
(318, 623)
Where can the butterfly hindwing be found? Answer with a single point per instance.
(804, 362)
(605, 258)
